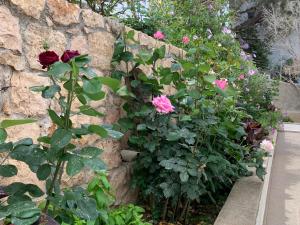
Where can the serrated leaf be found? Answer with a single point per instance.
(6, 147)
(184, 177)
(95, 164)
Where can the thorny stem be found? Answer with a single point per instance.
(57, 174)
(165, 209)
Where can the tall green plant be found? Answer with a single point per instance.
(72, 80)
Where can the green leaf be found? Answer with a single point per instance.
(95, 164)
(123, 92)
(204, 68)
(59, 68)
(37, 88)
(114, 134)
(61, 138)
(88, 110)
(44, 139)
(6, 147)
(50, 91)
(82, 60)
(43, 171)
(184, 177)
(55, 118)
(96, 129)
(141, 127)
(34, 190)
(8, 170)
(92, 86)
(3, 135)
(88, 72)
(90, 152)
(114, 84)
(159, 53)
(173, 136)
(210, 78)
(75, 165)
(96, 97)
(10, 123)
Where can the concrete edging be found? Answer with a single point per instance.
(246, 202)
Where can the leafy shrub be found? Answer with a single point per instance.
(199, 148)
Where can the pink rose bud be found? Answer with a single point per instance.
(185, 40)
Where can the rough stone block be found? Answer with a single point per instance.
(101, 47)
(92, 19)
(22, 100)
(29, 8)
(63, 12)
(10, 37)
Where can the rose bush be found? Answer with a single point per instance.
(56, 153)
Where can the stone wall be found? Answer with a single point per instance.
(25, 26)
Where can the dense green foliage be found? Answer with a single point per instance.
(47, 158)
(201, 147)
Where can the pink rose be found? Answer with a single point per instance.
(185, 40)
(226, 30)
(251, 72)
(267, 145)
(162, 104)
(222, 83)
(241, 77)
(159, 35)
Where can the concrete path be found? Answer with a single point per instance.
(283, 203)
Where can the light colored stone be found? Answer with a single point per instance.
(114, 26)
(101, 47)
(30, 8)
(92, 19)
(128, 155)
(49, 21)
(5, 76)
(7, 57)
(120, 181)
(80, 43)
(112, 115)
(148, 41)
(74, 31)
(63, 12)
(111, 154)
(35, 36)
(10, 37)
(22, 100)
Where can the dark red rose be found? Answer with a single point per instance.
(69, 54)
(47, 58)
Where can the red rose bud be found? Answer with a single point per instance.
(47, 58)
(68, 55)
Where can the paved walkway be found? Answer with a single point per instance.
(283, 203)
